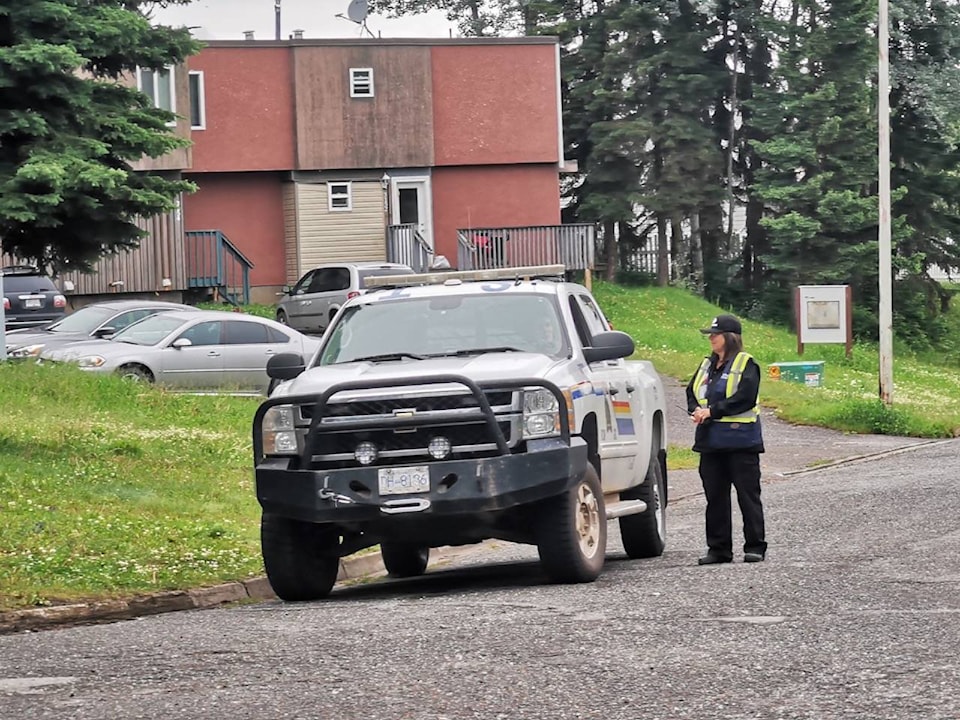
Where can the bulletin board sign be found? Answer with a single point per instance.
(824, 314)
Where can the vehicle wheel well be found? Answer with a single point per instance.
(588, 431)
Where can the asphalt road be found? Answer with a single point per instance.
(855, 614)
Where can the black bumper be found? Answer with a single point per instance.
(457, 487)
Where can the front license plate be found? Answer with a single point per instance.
(32, 303)
(404, 480)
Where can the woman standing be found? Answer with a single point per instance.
(722, 400)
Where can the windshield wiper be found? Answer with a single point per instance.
(386, 357)
(478, 351)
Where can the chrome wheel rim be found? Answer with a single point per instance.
(587, 521)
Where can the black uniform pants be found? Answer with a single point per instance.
(718, 471)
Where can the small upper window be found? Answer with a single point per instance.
(198, 109)
(361, 82)
(339, 196)
(158, 86)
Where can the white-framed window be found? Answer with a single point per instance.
(158, 85)
(361, 82)
(339, 196)
(198, 105)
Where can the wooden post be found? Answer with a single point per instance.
(588, 279)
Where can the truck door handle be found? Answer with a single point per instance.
(630, 388)
(613, 391)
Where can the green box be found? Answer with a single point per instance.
(807, 373)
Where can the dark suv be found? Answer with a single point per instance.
(30, 298)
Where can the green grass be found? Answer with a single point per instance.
(109, 489)
(665, 324)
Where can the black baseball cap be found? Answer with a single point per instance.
(724, 324)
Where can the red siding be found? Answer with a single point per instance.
(514, 196)
(495, 104)
(248, 209)
(249, 110)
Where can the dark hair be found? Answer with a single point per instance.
(732, 344)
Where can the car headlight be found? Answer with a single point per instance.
(91, 361)
(26, 351)
(541, 414)
(277, 431)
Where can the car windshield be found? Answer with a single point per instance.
(150, 330)
(85, 320)
(451, 325)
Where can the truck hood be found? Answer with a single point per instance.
(479, 368)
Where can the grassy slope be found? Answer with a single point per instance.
(665, 322)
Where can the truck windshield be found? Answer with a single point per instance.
(447, 325)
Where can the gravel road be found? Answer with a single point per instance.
(855, 614)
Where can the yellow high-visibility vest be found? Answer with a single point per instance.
(734, 375)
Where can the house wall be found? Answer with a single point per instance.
(491, 196)
(248, 209)
(182, 157)
(339, 236)
(495, 104)
(250, 109)
(391, 129)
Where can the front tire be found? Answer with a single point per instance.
(301, 559)
(282, 317)
(645, 534)
(572, 532)
(135, 373)
(403, 560)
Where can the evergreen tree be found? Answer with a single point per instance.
(70, 129)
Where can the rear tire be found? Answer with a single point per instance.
(572, 532)
(403, 560)
(645, 534)
(301, 559)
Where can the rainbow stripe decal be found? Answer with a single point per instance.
(621, 411)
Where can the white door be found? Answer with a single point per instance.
(410, 205)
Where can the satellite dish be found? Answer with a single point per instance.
(357, 10)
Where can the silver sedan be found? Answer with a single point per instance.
(199, 350)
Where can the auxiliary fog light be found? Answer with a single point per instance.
(439, 448)
(366, 453)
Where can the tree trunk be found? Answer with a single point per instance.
(678, 252)
(663, 252)
(696, 253)
(610, 249)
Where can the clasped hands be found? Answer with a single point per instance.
(700, 415)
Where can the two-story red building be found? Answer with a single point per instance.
(310, 151)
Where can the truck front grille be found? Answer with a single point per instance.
(457, 417)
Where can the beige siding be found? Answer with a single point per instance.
(325, 236)
(291, 238)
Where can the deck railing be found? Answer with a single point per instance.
(215, 262)
(406, 245)
(505, 247)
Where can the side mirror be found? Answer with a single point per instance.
(104, 331)
(609, 345)
(181, 343)
(285, 290)
(285, 366)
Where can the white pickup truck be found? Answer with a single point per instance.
(449, 408)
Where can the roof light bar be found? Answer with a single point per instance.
(530, 272)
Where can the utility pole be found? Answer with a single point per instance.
(886, 272)
(276, 12)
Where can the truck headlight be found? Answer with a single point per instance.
(541, 414)
(277, 431)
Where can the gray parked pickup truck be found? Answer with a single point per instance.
(448, 408)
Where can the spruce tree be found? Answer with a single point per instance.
(70, 128)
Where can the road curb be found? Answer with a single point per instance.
(255, 589)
